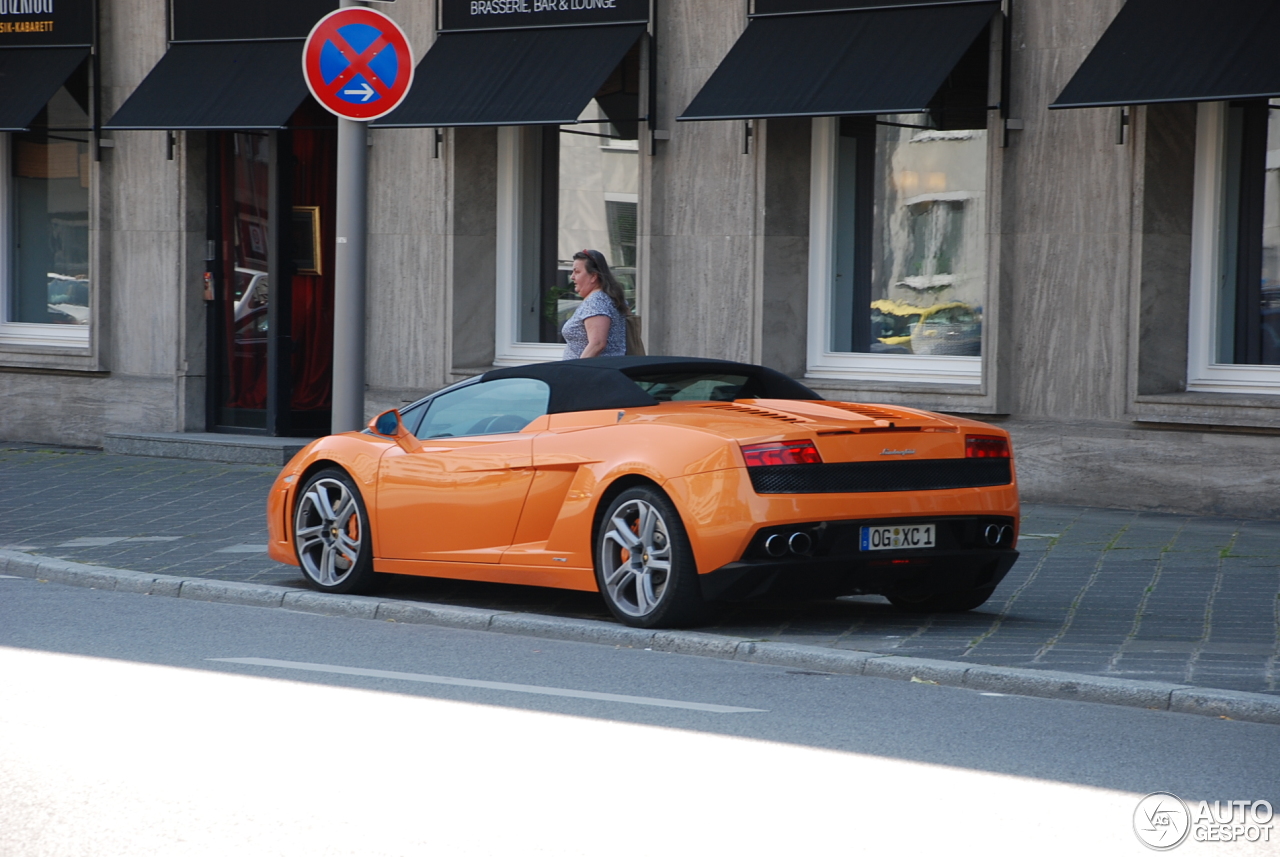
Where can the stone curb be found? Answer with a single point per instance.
(1162, 696)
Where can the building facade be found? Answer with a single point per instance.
(1035, 212)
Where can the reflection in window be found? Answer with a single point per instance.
(909, 266)
(578, 189)
(244, 163)
(50, 212)
(1248, 322)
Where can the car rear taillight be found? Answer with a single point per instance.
(986, 446)
(788, 452)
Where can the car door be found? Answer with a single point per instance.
(458, 498)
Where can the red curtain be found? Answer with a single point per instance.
(314, 183)
(244, 167)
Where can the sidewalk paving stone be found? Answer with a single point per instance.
(1110, 593)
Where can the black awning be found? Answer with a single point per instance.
(1181, 50)
(512, 77)
(29, 77)
(228, 85)
(867, 61)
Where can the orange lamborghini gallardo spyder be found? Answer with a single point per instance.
(668, 484)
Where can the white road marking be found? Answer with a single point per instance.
(20, 547)
(491, 685)
(243, 549)
(103, 541)
(1039, 535)
(10, 577)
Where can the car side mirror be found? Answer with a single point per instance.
(388, 424)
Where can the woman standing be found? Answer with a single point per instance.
(598, 327)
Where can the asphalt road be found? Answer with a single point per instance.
(1130, 595)
(137, 725)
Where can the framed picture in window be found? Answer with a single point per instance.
(306, 240)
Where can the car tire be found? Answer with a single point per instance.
(945, 602)
(644, 565)
(331, 534)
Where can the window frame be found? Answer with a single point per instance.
(24, 335)
(1204, 373)
(963, 373)
(508, 349)
(513, 184)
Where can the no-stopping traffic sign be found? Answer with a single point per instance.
(357, 63)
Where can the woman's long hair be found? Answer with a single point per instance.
(594, 263)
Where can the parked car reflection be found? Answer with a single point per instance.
(251, 290)
(952, 329)
(68, 299)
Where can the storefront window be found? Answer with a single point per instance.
(906, 272)
(1249, 304)
(1235, 319)
(570, 188)
(48, 212)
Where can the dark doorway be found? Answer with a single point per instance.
(271, 224)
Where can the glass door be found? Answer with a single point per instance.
(271, 278)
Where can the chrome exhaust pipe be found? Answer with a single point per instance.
(800, 543)
(997, 535)
(776, 545)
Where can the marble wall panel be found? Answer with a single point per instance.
(56, 408)
(146, 306)
(406, 311)
(407, 301)
(473, 247)
(1070, 315)
(707, 304)
(702, 242)
(785, 245)
(1100, 464)
(79, 410)
(134, 403)
(418, 20)
(1067, 215)
(784, 316)
(133, 39)
(1048, 24)
(142, 216)
(694, 36)
(1166, 134)
(145, 186)
(406, 184)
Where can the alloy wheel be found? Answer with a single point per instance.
(636, 561)
(327, 532)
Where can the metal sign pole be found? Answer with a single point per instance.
(350, 259)
(346, 85)
(349, 277)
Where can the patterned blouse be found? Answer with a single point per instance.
(575, 332)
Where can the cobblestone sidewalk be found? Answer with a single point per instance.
(1127, 594)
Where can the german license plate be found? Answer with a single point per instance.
(896, 538)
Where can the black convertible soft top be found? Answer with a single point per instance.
(607, 382)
